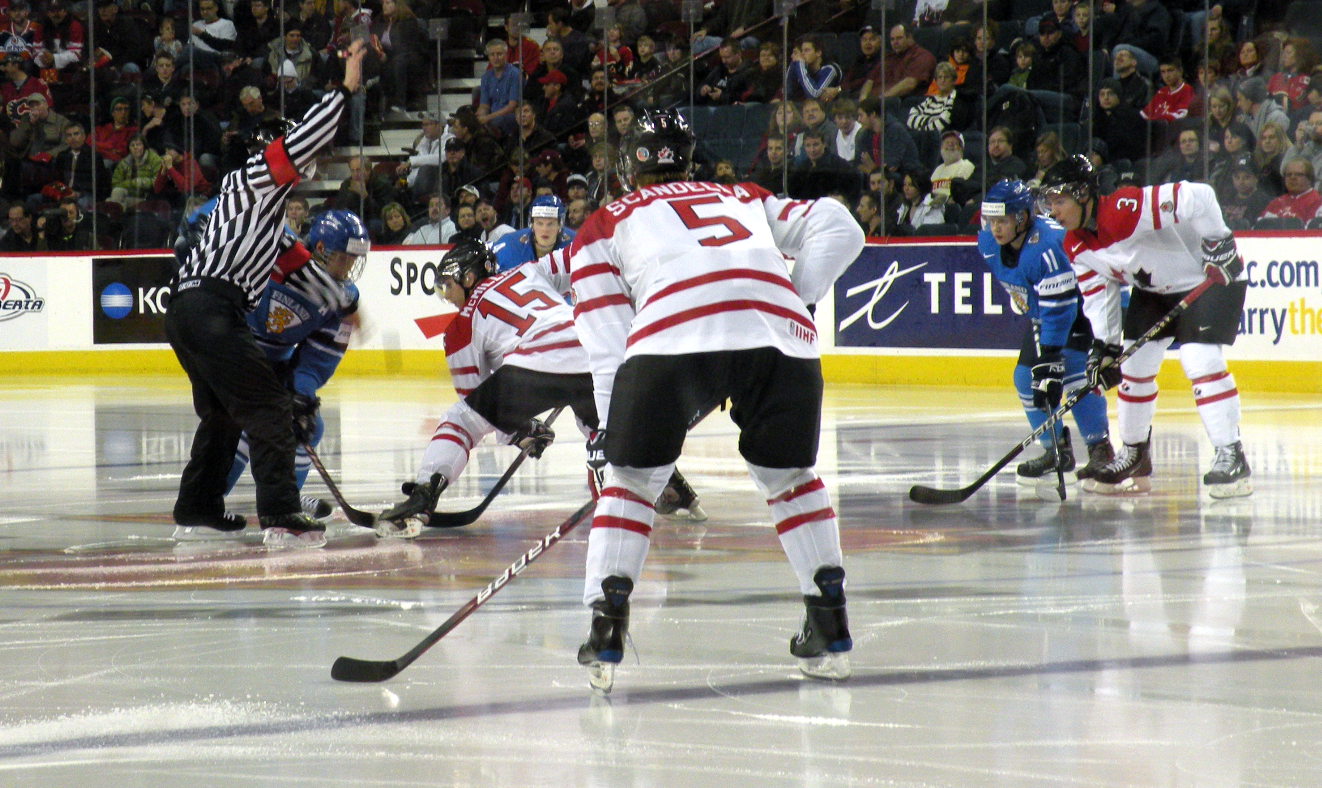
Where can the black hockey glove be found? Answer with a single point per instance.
(1102, 369)
(1222, 262)
(597, 461)
(305, 417)
(1048, 379)
(535, 436)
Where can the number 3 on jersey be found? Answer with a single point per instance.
(522, 322)
(693, 221)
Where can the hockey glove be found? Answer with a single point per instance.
(1048, 379)
(597, 462)
(305, 417)
(533, 437)
(1222, 262)
(1102, 369)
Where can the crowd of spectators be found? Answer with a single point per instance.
(132, 112)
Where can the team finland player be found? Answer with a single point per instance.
(1163, 240)
(303, 323)
(683, 298)
(1024, 254)
(547, 234)
(234, 388)
(513, 353)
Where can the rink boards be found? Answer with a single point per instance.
(906, 312)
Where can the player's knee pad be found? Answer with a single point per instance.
(1201, 360)
(1023, 384)
(646, 483)
(1146, 361)
(466, 422)
(774, 482)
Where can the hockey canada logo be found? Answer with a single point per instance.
(18, 298)
(665, 156)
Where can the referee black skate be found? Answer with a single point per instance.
(235, 389)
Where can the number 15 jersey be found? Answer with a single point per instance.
(514, 318)
(685, 267)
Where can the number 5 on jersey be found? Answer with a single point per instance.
(693, 221)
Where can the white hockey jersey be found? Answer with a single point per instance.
(517, 318)
(687, 267)
(1150, 238)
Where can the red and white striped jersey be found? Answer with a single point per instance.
(517, 318)
(1150, 238)
(686, 267)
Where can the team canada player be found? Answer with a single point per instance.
(513, 353)
(1163, 241)
(683, 298)
(1024, 254)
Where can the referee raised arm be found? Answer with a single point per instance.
(235, 389)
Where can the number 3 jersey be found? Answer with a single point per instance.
(515, 317)
(685, 267)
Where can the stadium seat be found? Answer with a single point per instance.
(847, 47)
(930, 38)
(756, 118)
(1304, 18)
(1023, 9)
(1069, 134)
(145, 230)
(936, 229)
(929, 147)
(1276, 223)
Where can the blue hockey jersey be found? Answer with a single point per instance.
(1041, 282)
(515, 249)
(296, 314)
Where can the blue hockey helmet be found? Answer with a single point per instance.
(340, 231)
(548, 206)
(1007, 198)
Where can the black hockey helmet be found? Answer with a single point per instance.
(1073, 177)
(468, 254)
(266, 132)
(662, 143)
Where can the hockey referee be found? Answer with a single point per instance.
(235, 389)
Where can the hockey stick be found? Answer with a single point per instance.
(355, 516)
(1057, 437)
(457, 519)
(365, 670)
(930, 495)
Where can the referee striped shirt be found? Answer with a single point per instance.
(243, 236)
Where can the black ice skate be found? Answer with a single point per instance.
(1229, 476)
(1129, 472)
(679, 500)
(1099, 455)
(316, 508)
(823, 644)
(1044, 467)
(604, 648)
(406, 519)
(199, 529)
(295, 530)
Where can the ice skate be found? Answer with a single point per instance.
(405, 520)
(1129, 472)
(295, 530)
(823, 644)
(209, 529)
(316, 508)
(1099, 455)
(1229, 476)
(678, 500)
(604, 648)
(1043, 469)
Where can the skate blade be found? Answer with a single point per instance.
(1131, 486)
(204, 533)
(1236, 489)
(829, 666)
(285, 539)
(411, 528)
(601, 675)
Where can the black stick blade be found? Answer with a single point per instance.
(358, 517)
(930, 495)
(362, 670)
(454, 519)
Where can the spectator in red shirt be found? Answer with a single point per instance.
(180, 175)
(112, 139)
(17, 84)
(909, 67)
(1176, 99)
(1290, 82)
(524, 52)
(1300, 201)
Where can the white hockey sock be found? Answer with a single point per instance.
(1136, 398)
(1214, 391)
(622, 526)
(805, 522)
(461, 429)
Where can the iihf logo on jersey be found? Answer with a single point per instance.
(18, 298)
(643, 154)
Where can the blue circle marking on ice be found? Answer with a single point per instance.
(116, 300)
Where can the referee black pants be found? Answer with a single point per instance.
(235, 390)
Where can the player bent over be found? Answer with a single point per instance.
(1163, 241)
(513, 353)
(303, 323)
(1024, 254)
(683, 298)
